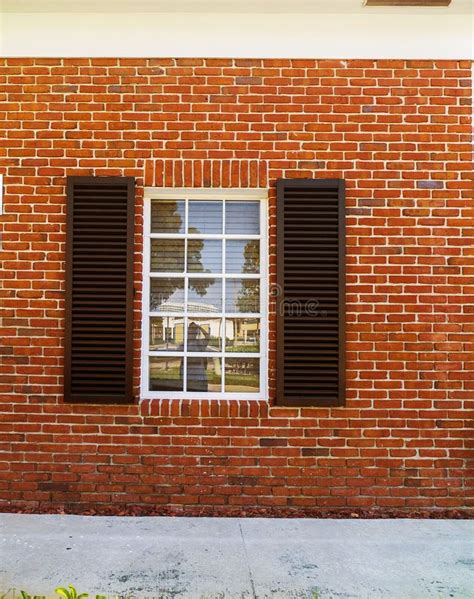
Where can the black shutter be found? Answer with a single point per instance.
(310, 293)
(99, 290)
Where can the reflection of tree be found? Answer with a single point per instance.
(249, 292)
(251, 257)
(167, 218)
(168, 255)
(195, 247)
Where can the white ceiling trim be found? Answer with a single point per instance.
(224, 6)
(238, 35)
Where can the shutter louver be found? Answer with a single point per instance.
(311, 292)
(99, 290)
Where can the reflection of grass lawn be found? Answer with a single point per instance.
(210, 348)
(161, 373)
(242, 379)
(174, 374)
(243, 348)
(165, 347)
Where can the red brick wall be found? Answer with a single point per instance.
(397, 131)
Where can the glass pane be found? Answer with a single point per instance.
(167, 255)
(204, 334)
(166, 374)
(242, 375)
(204, 375)
(167, 216)
(204, 255)
(167, 295)
(167, 334)
(205, 295)
(205, 217)
(242, 218)
(242, 335)
(242, 256)
(242, 295)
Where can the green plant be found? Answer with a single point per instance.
(71, 593)
(68, 592)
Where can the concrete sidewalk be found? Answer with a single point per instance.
(238, 558)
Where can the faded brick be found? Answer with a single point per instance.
(429, 184)
(275, 442)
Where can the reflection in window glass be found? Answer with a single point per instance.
(242, 335)
(242, 256)
(205, 295)
(167, 216)
(242, 295)
(204, 334)
(166, 374)
(167, 294)
(204, 255)
(166, 334)
(242, 218)
(203, 275)
(242, 375)
(204, 374)
(167, 255)
(205, 217)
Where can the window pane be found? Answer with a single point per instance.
(167, 334)
(167, 255)
(166, 374)
(242, 375)
(242, 335)
(205, 217)
(204, 334)
(242, 218)
(167, 295)
(242, 256)
(242, 295)
(205, 295)
(204, 255)
(167, 216)
(204, 375)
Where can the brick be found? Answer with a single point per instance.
(429, 184)
(397, 131)
(273, 442)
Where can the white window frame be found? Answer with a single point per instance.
(222, 194)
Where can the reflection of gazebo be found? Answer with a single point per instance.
(178, 307)
(248, 329)
(167, 331)
(170, 329)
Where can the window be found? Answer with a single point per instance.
(204, 294)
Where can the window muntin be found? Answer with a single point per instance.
(204, 301)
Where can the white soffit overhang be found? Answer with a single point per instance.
(234, 28)
(224, 6)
